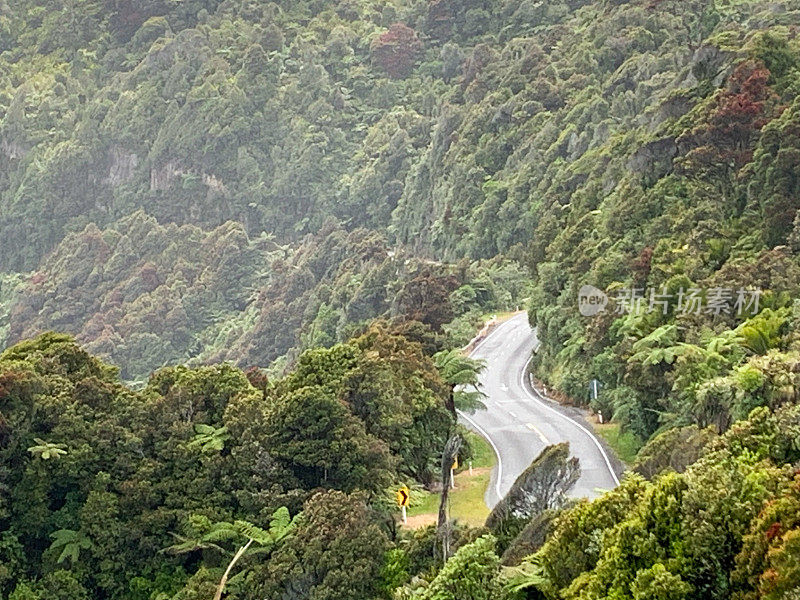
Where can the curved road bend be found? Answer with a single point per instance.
(518, 423)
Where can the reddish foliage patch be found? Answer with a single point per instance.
(396, 51)
(740, 113)
(7, 382)
(257, 378)
(774, 530)
(726, 141)
(641, 266)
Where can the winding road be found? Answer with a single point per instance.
(519, 422)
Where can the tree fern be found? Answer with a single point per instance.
(209, 439)
(71, 543)
(46, 450)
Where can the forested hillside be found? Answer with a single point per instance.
(145, 294)
(107, 492)
(194, 187)
(250, 126)
(593, 142)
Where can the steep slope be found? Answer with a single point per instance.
(616, 144)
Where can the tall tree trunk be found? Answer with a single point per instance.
(235, 559)
(443, 532)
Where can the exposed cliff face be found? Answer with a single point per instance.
(12, 150)
(122, 166)
(162, 178)
(654, 160)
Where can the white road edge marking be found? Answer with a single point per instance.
(480, 429)
(496, 452)
(542, 403)
(563, 416)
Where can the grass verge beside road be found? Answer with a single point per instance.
(466, 500)
(624, 444)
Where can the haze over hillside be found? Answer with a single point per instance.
(333, 197)
(454, 130)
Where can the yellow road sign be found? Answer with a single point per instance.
(403, 496)
(455, 463)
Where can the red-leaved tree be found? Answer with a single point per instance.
(396, 51)
(722, 145)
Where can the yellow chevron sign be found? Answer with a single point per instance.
(403, 496)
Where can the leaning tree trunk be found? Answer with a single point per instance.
(224, 579)
(450, 403)
(443, 530)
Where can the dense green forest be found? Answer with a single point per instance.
(145, 294)
(108, 492)
(132, 494)
(274, 218)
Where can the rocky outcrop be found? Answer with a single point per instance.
(121, 166)
(162, 178)
(13, 150)
(654, 160)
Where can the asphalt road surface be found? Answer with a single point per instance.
(519, 423)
